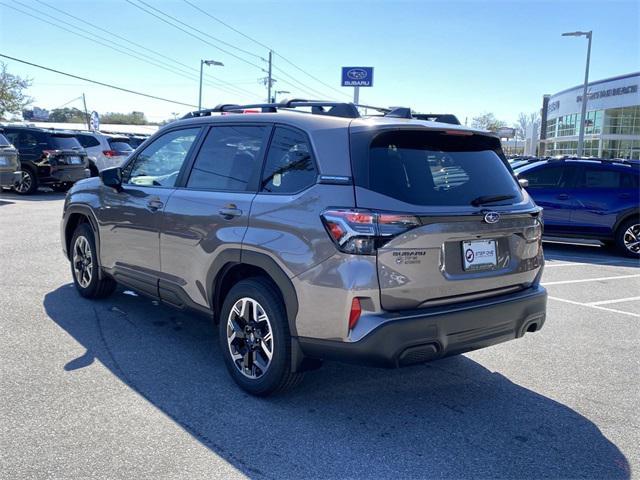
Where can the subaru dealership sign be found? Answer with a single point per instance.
(357, 76)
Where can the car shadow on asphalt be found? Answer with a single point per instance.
(450, 418)
(597, 255)
(39, 196)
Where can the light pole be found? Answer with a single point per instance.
(275, 94)
(583, 115)
(202, 64)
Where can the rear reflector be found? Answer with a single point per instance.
(354, 314)
(462, 133)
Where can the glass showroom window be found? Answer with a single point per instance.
(622, 121)
(593, 125)
(551, 128)
(629, 149)
(590, 148)
(568, 125)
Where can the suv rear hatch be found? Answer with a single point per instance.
(451, 221)
(64, 150)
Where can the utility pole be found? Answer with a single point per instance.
(86, 113)
(583, 115)
(269, 80)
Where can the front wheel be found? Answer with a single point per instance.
(84, 265)
(255, 340)
(628, 238)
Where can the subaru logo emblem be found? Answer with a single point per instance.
(357, 74)
(492, 217)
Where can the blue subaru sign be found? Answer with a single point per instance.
(357, 76)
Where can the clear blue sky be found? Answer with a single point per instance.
(435, 56)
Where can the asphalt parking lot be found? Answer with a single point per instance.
(127, 388)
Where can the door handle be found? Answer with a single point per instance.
(562, 196)
(230, 212)
(154, 205)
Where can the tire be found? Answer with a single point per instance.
(28, 184)
(61, 187)
(86, 277)
(93, 169)
(628, 238)
(262, 376)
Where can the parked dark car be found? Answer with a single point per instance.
(596, 199)
(47, 157)
(9, 163)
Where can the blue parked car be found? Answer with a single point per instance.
(588, 198)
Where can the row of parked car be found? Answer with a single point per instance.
(31, 157)
(589, 198)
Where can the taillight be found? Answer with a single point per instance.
(110, 153)
(361, 232)
(48, 156)
(354, 313)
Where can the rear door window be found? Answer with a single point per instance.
(88, 141)
(436, 169)
(289, 167)
(229, 159)
(120, 145)
(64, 142)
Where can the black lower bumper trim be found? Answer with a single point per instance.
(419, 337)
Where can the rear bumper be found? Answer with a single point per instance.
(417, 336)
(65, 175)
(9, 179)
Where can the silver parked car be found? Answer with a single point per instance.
(104, 151)
(317, 235)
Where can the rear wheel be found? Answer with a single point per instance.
(84, 265)
(28, 183)
(628, 238)
(255, 340)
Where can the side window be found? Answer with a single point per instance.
(159, 164)
(599, 178)
(544, 177)
(630, 180)
(88, 141)
(12, 137)
(289, 167)
(229, 158)
(25, 140)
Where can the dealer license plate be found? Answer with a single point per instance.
(479, 255)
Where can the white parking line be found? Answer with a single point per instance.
(617, 300)
(604, 263)
(613, 310)
(582, 280)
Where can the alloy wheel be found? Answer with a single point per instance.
(631, 238)
(24, 185)
(82, 261)
(250, 338)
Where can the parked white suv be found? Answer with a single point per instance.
(104, 151)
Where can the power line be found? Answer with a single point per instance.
(97, 82)
(190, 33)
(124, 49)
(257, 42)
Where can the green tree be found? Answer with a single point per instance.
(12, 96)
(133, 118)
(67, 115)
(487, 121)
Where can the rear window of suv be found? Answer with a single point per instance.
(64, 142)
(120, 145)
(3, 140)
(434, 168)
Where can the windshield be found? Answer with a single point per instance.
(64, 142)
(437, 169)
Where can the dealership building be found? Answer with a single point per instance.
(612, 128)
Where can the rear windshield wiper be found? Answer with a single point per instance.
(490, 199)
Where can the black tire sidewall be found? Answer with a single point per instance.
(92, 289)
(620, 237)
(265, 295)
(34, 182)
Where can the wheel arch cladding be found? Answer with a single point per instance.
(255, 264)
(75, 216)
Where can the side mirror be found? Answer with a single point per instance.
(112, 177)
(524, 183)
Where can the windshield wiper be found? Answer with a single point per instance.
(483, 199)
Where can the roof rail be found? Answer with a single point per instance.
(318, 107)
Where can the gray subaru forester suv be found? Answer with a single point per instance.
(312, 233)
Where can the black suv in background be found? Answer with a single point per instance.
(47, 157)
